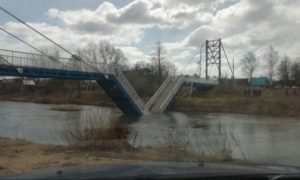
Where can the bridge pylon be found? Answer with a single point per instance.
(213, 57)
(213, 49)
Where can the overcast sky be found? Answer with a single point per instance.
(182, 25)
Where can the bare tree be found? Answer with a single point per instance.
(271, 63)
(103, 56)
(295, 72)
(111, 55)
(249, 64)
(284, 70)
(103, 53)
(169, 69)
(158, 58)
(52, 52)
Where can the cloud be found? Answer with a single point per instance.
(250, 25)
(138, 12)
(89, 21)
(198, 36)
(134, 54)
(242, 24)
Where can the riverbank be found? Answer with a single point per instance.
(94, 99)
(233, 100)
(19, 156)
(262, 106)
(219, 100)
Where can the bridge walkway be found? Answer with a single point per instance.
(162, 98)
(114, 83)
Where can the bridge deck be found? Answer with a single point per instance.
(21, 64)
(163, 97)
(168, 90)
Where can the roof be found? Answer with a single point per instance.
(259, 81)
(28, 82)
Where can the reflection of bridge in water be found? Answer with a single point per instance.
(114, 83)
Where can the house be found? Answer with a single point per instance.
(28, 82)
(240, 81)
(259, 81)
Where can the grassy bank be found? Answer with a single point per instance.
(19, 156)
(223, 99)
(232, 100)
(86, 98)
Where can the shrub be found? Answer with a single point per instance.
(96, 130)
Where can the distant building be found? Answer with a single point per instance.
(28, 82)
(259, 81)
(9, 80)
(241, 81)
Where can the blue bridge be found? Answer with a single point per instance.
(111, 79)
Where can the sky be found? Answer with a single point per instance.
(181, 25)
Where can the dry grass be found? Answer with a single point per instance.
(98, 130)
(65, 108)
(232, 100)
(218, 146)
(18, 156)
(94, 98)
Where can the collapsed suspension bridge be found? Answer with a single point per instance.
(110, 78)
(114, 83)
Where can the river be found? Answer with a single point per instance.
(261, 139)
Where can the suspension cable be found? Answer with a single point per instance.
(227, 59)
(19, 39)
(21, 21)
(24, 23)
(189, 62)
(200, 60)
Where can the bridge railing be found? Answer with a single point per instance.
(190, 79)
(157, 93)
(178, 85)
(130, 90)
(24, 59)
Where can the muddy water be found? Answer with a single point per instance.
(261, 139)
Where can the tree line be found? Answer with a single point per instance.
(104, 53)
(159, 67)
(275, 67)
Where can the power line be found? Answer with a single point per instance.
(21, 21)
(189, 62)
(24, 42)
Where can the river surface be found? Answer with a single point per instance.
(261, 139)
